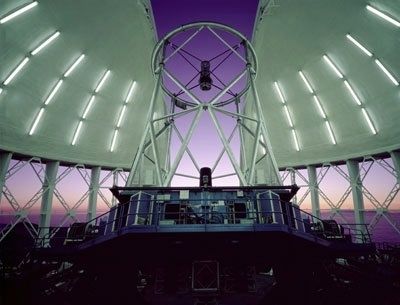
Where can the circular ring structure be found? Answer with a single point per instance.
(158, 59)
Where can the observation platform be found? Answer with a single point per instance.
(255, 224)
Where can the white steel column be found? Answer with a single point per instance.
(148, 128)
(49, 184)
(314, 190)
(93, 192)
(395, 155)
(274, 176)
(293, 182)
(5, 158)
(356, 190)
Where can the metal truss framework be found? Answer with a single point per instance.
(253, 124)
(357, 172)
(49, 174)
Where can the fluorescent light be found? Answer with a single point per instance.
(16, 70)
(1, 90)
(128, 97)
(88, 106)
(332, 65)
(121, 116)
(18, 12)
(384, 16)
(264, 151)
(45, 43)
(320, 109)
(77, 131)
(359, 45)
(53, 92)
(74, 65)
(386, 71)
(288, 116)
(101, 83)
(37, 120)
(295, 140)
(328, 126)
(114, 139)
(278, 89)
(368, 119)
(353, 94)
(310, 89)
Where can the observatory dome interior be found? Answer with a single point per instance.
(76, 82)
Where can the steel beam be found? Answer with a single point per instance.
(5, 158)
(227, 44)
(138, 156)
(395, 155)
(227, 88)
(293, 182)
(254, 153)
(183, 147)
(182, 87)
(148, 128)
(356, 190)
(49, 184)
(223, 150)
(152, 130)
(314, 190)
(115, 183)
(243, 161)
(228, 150)
(184, 43)
(187, 148)
(93, 192)
(259, 113)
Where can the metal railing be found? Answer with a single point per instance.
(290, 216)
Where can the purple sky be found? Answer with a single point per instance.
(205, 144)
(238, 14)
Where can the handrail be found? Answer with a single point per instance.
(311, 224)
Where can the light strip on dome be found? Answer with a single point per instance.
(114, 139)
(102, 81)
(74, 65)
(121, 116)
(130, 91)
(319, 106)
(88, 106)
(368, 119)
(288, 116)
(328, 126)
(53, 92)
(45, 43)
(386, 71)
(332, 65)
(77, 132)
(18, 12)
(264, 151)
(16, 70)
(310, 89)
(359, 45)
(37, 119)
(384, 16)
(294, 135)
(353, 94)
(278, 89)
